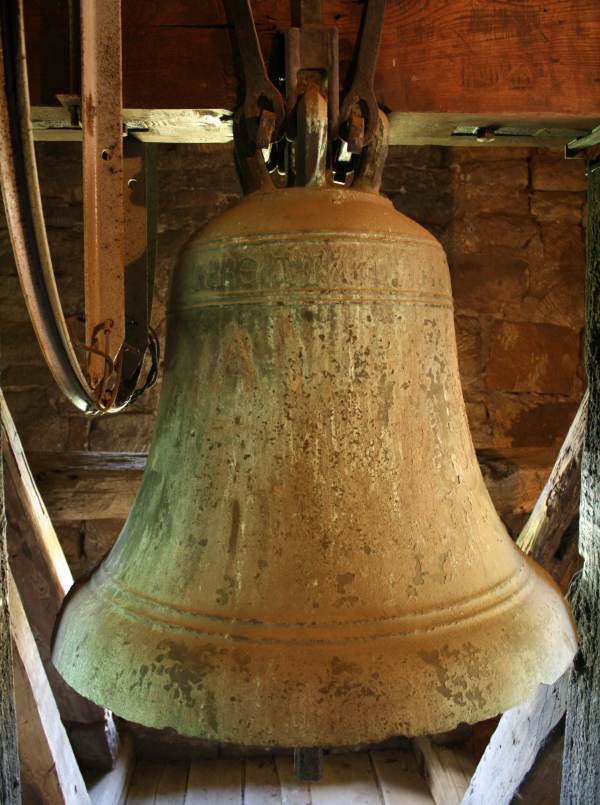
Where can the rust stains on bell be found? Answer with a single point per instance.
(313, 558)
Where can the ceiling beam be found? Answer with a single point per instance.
(214, 126)
(533, 59)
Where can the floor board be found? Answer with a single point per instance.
(358, 778)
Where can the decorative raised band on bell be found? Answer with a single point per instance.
(313, 558)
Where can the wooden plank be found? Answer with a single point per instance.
(110, 788)
(10, 790)
(347, 778)
(293, 791)
(261, 783)
(102, 486)
(43, 576)
(399, 778)
(476, 56)
(144, 782)
(515, 744)
(581, 772)
(172, 785)
(50, 773)
(215, 782)
(215, 126)
(558, 502)
(448, 771)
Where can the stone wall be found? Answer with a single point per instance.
(511, 220)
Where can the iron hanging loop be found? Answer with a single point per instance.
(263, 106)
(360, 109)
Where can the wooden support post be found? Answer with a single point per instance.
(50, 773)
(558, 504)
(524, 730)
(9, 756)
(447, 769)
(581, 766)
(515, 745)
(44, 578)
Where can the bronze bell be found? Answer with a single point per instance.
(313, 558)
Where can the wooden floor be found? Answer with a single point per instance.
(365, 778)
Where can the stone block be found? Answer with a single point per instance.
(418, 156)
(468, 342)
(480, 423)
(492, 281)
(482, 233)
(100, 536)
(490, 188)
(481, 153)
(551, 171)
(529, 421)
(71, 537)
(557, 207)
(535, 358)
(126, 432)
(38, 423)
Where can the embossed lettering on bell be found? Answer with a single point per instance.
(313, 558)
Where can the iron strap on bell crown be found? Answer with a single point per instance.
(313, 558)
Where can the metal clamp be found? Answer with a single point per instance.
(360, 109)
(263, 107)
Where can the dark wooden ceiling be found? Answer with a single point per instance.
(530, 58)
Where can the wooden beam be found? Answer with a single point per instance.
(515, 745)
(10, 791)
(44, 578)
(558, 503)
(451, 56)
(448, 770)
(111, 788)
(215, 126)
(581, 772)
(50, 773)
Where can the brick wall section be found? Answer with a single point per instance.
(510, 220)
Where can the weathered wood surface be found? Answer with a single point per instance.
(581, 772)
(532, 57)
(360, 778)
(447, 769)
(10, 793)
(54, 124)
(558, 503)
(43, 577)
(49, 771)
(102, 486)
(515, 745)
(111, 788)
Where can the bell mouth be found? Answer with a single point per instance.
(339, 685)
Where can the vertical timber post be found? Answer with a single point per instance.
(581, 763)
(10, 793)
